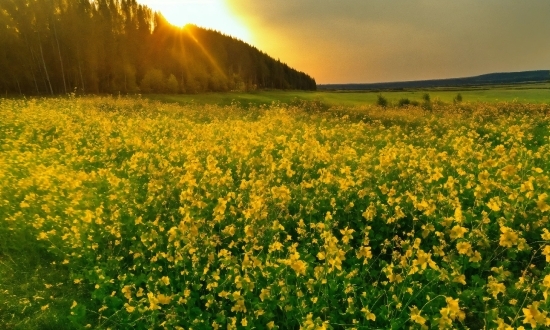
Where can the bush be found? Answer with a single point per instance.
(403, 102)
(427, 104)
(458, 98)
(382, 101)
(172, 85)
(153, 81)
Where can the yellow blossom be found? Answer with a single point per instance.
(458, 232)
(368, 314)
(416, 317)
(508, 237)
(464, 248)
(533, 316)
(541, 203)
(129, 309)
(546, 252)
(494, 287)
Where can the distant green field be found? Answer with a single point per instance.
(535, 94)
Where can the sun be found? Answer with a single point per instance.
(212, 14)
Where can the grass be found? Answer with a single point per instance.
(534, 93)
(34, 289)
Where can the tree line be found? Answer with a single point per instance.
(111, 46)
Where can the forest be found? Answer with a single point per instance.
(50, 47)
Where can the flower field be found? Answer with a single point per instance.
(283, 216)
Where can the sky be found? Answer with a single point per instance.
(365, 41)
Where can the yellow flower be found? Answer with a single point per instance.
(546, 252)
(464, 248)
(165, 280)
(299, 267)
(368, 314)
(129, 309)
(364, 252)
(545, 234)
(454, 309)
(127, 291)
(458, 232)
(494, 287)
(153, 301)
(370, 212)
(541, 203)
(458, 214)
(265, 294)
(459, 278)
(163, 299)
(275, 246)
(494, 204)
(416, 317)
(346, 234)
(476, 257)
(533, 316)
(508, 238)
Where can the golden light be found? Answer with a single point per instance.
(212, 14)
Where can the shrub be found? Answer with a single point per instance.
(458, 98)
(403, 102)
(153, 81)
(427, 104)
(172, 85)
(382, 101)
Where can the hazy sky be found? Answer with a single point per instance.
(343, 41)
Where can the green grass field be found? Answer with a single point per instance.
(128, 213)
(535, 93)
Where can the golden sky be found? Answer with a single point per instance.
(353, 41)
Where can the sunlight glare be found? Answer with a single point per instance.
(212, 14)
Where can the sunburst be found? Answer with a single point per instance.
(212, 14)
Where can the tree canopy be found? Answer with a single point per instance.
(110, 46)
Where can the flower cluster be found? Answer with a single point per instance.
(193, 217)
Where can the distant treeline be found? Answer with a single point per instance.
(486, 79)
(111, 46)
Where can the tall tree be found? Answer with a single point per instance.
(110, 46)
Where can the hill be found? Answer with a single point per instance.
(112, 46)
(482, 80)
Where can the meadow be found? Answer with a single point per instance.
(526, 93)
(130, 213)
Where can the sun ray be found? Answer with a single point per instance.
(206, 53)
